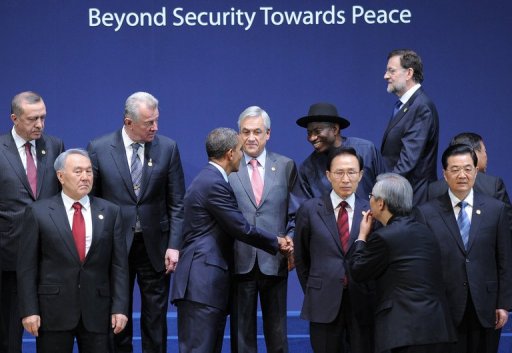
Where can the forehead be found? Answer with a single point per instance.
(147, 113)
(77, 160)
(32, 108)
(347, 161)
(318, 125)
(459, 160)
(394, 61)
(252, 122)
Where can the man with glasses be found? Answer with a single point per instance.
(410, 142)
(472, 230)
(324, 127)
(340, 311)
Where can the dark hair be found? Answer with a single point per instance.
(219, 141)
(468, 138)
(409, 59)
(456, 150)
(338, 151)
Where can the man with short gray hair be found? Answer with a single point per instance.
(403, 258)
(141, 172)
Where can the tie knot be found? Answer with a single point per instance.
(343, 204)
(135, 147)
(28, 147)
(463, 204)
(77, 206)
(398, 104)
(254, 163)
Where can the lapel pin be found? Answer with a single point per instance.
(405, 110)
(100, 216)
(478, 211)
(43, 152)
(150, 163)
(273, 169)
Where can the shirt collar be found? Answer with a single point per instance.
(127, 141)
(407, 95)
(20, 141)
(455, 200)
(336, 199)
(221, 170)
(68, 201)
(261, 158)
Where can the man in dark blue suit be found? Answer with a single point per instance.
(324, 127)
(201, 287)
(141, 172)
(411, 314)
(340, 311)
(410, 142)
(472, 230)
(73, 275)
(26, 162)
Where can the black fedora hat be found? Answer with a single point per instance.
(323, 112)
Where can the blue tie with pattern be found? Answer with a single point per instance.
(136, 171)
(398, 104)
(463, 223)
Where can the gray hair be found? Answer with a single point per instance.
(28, 97)
(253, 112)
(219, 141)
(132, 104)
(396, 191)
(61, 159)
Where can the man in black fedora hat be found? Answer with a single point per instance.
(324, 125)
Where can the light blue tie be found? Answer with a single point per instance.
(136, 169)
(397, 107)
(463, 223)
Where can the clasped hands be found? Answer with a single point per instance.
(285, 245)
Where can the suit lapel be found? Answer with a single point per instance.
(476, 218)
(360, 206)
(446, 212)
(245, 181)
(326, 213)
(270, 175)
(13, 156)
(41, 162)
(119, 157)
(60, 220)
(150, 160)
(97, 218)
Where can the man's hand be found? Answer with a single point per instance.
(119, 322)
(501, 318)
(285, 245)
(366, 225)
(31, 324)
(171, 260)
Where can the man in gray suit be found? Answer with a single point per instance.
(26, 161)
(268, 193)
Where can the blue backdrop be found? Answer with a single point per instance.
(207, 60)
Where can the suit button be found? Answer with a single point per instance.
(467, 260)
(257, 214)
(465, 284)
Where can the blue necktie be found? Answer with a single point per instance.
(398, 104)
(463, 223)
(136, 169)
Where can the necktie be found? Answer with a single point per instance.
(396, 108)
(78, 230)
(256, 182)
(136, 169)
(343, 226)
(31, 169)
(463, 223)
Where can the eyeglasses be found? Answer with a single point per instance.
(467, 169)
(340, 174)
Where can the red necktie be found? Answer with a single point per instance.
(31, 169)
(256, 182)
(343, 226)
(78, 230)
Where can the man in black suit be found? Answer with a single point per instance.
(268, 200)
(27, 175)
(410, 142)
(73, 275)
(484, 183)
(201, 287)
(141, 172)
(472, 230)
(403, 257)
(340, 311)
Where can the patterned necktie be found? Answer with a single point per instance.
(78, 230)
(396, 108)
(136, 169)
(256, 182)
(343, 226)
(31, 169)
(463, 223)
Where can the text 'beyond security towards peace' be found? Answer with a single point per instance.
(265, 15)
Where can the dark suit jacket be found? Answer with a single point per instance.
(276, 212)
(160, 205)
(484, 184)
(485, 269)
(410, 142)
(53, 283)
(403, 257)
(321, 263)
(212, 223)
(16, 193)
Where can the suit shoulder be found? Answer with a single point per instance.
(50, 139)
(103, 203)
(279, 157)
(107, 138)
(162, 139)
(358, 142)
